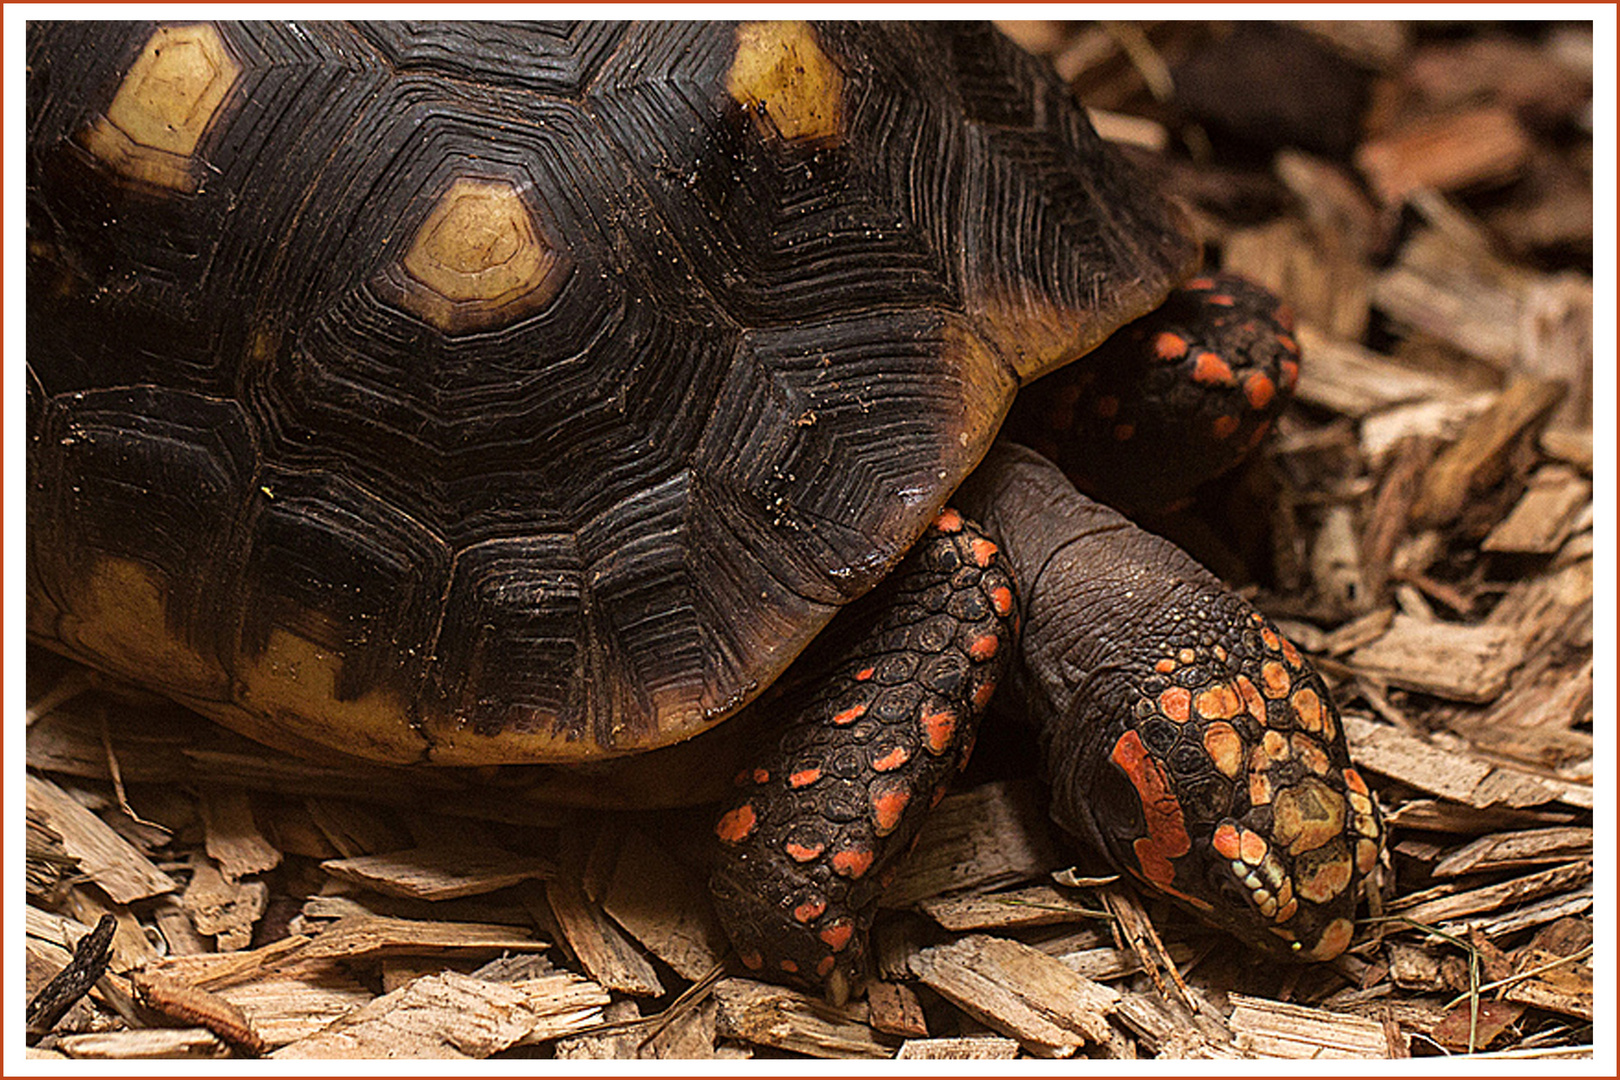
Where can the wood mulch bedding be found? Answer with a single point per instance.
(1422, 525)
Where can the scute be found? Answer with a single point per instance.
(534, 393)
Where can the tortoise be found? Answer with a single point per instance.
(473, 394)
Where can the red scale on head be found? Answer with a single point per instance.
(1166, 837)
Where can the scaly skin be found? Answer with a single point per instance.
(1181, 734)
(863, 749)
(1171, 400)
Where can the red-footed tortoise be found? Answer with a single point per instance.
(470, 394)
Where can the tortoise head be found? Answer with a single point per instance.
(1230, 791)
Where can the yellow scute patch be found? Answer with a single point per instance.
(782, 78)
(162, 109)
(118, 618)
(293, 685)
(1307, 815)
(479, 259)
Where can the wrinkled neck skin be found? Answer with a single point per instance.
(1180, 734)
(1085, 575)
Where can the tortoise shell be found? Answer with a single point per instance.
(479, 393)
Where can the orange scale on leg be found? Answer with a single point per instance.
(1210, 370)
(892, 760)
(1168, 346)
(852, 862)
(939, 728)
(803, 852)
(735, 825)
(887, 808)
(838, 935)
(1259, 389)
(810, 911)
(849, 715)
(804, 777)
(984, 647)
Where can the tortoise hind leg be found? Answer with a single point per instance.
(1171, 400)
(867, 740)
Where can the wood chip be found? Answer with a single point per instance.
(1523, 916)
(364, 936)
(354, 829)
(1104, 963)
(1038, 905)
(285, 1009)
(1561, 984)
(132, 949)
(1169, 1029)
(1279, 1029)
(963, 1048)
(661, 905)
(1020, 992)
(109, 860)
(1448, 152)
(1356, 381)
(895, 1010)
(1452, 773)
(1420, 909)
(454, 1016)
(151, 1043)
(1116, 127)
(1449, 660)
(190, 1004)
(439, 872)
(1477, 459)
(1514, 850)
(1545, 515)
(995, 834)
(1438, 815)
(773, 1016)
(1325, 283)
(607, 955)
(223, 909)
(1473, 1025)
(500, 908)
(233, 839)
(686, 1035)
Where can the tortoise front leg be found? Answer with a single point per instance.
(874, 722)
